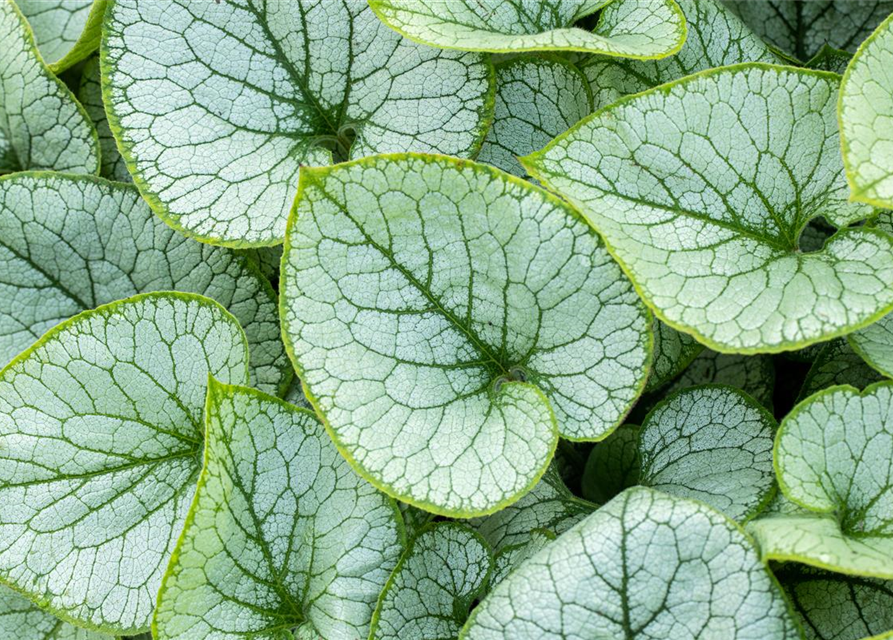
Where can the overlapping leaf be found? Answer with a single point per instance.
(100, 438)
(281, 532)
(71, 243)
(701, 188)
(42, 126)
(23, 620)
(215, 128)
(67, 31)
(646, 565)
(630, 28)
(447, 319)
(112, 165)
(837, 364)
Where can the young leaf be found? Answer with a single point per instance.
(281, 531)
(252, 91)
(71, 243)
(830, 59)
(700, 188)
(712, 443)
(837, 364)
(100, 437)
(21, 619)
(67, 31)
(536, 99)
(646, 565)
(787, 532)
(428, 596)
(866, 119)
(549, 505)
(630, 28)
(755, 375)
(513, 556)
(673, 352)
(112, 164)
(42, 126)
(833, 606)
(447, 319)
(803, 27)
(716, 38)
(833, 454)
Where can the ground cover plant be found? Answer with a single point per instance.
(429, 319)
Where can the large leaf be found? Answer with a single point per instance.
(112, 164)
(100, 438)
(447, 319)
(70, 243)
(433, 587)
(21, 619)
(630, 28)
(866, 118)
(701, 187)
(281, 531)
(536, 99)
(833, 606)
(67, 31)
(272, 86)
(712, 443)
(834, 455)
(837, 364)
(646, 565)
(549, 505)
(716, 37)
(802, 27)
(42, 126)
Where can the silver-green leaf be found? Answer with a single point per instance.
(67, 31)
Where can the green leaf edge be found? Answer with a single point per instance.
(749, 539)
(487, 114)
(87, 42)
(529, 162)
(408, 548)
(247, 261)
(748, 400)
(674, 7)
(856, 192)
(813, 562)
(862, 353)
(32, 41)
(217, 387)
(107, 309)
(309, 173)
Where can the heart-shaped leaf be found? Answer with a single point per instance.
(447, 319)
(646, 565)
(701, 187)
(67, 31)
(629, 28)
(42, 126)
(281, 531)
(253, 90)
(71, 243)
(435, 584)
(100, 438)
(866, 118)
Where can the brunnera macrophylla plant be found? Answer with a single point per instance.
(490, 319)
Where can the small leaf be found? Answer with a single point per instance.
(100, 438)
(830, 59)
(216, 124)
(67, 31)
(21, 619)
(281, 531)
(42, 126)
(700, 188)
(837, 364)
(536, 99)
(833, 606)
(613, 465)
(803, 27)
(673, 352)
(874, 344)
(433, 587)
(447, 318)
(550, 505)
(629, 28)
(513, 556)
(112, 165)
(646, 565)
(866, 118)
(71, 243)
(755, 375)
(716, 38)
